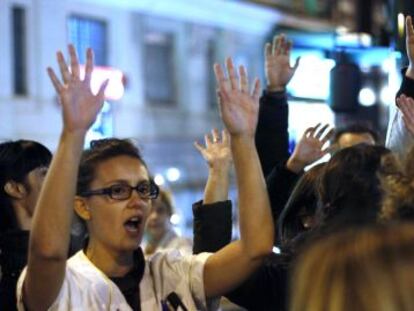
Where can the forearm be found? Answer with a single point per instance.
(52, 219)
(217, 186)
(212, 226)
(272, 138)
(256, 225)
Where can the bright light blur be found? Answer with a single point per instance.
(175, 219)
(312, 79)
(159, 179)
(115, 89)
(367, 97)
(401, 24)
(386, 95)
(173, 174)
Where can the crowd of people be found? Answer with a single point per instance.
(343, 227)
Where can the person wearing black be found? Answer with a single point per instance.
(23, 165)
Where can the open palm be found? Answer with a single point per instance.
(277, 63)
(217, 150)
(238, 107)
(80, 106)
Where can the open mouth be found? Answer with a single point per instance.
(133, 224)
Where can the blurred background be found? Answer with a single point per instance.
(159, 55)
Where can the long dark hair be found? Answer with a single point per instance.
(17, 159)
(302, 199)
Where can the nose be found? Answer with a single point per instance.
(135, 201)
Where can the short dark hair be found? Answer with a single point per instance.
(17, 159)
(99, 151)
(356, 128)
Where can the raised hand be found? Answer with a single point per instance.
(310, 147)
(409, 41)
(238, 107)
(406, 105)
(277, 63)
(216, 151)
(80, 106)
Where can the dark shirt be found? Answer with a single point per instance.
(129, 284)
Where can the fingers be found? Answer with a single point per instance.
(406, 105)
(55, 81)
(231, 73)
(89, 66)
(287, 47)
(101, 93)
(222, 81)
(216, 135)
(207, 140)
(64, 71)
(268, 50)
(74, 62)
(244, 81)
(311, 130)
(409, 26)
(296, 65)
(199, 147)
(320, 132)
(256, 89)
(328, 136)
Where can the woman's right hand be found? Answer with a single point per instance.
(80, 106)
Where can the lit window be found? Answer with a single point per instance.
(159, 68)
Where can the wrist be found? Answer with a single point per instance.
(410, 72)
(219, 168)
(295, 165)
(275, 88)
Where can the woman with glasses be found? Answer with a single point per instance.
(110, 189)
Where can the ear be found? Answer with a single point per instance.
(82, 208)
(15, 189)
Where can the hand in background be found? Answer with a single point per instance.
(409, 41)
(406, 105)
(310, 148)
(216, 151)
(277, 63)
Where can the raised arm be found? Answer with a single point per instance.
(272, 137)
(212, 226)
(399, 140)
(49, 238)
(227, 268)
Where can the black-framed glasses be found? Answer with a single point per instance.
(147, 190)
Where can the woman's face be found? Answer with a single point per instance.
(158, 222)
(118, 225)
(33, 184)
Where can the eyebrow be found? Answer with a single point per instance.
(123, 181)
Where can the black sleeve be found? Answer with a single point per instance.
(407, 86)
(212, 226)
(266, 289)
(272, 137)
(280, 183)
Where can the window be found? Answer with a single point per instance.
(89, 33)
(159, 68)
(19, 48)
(211, 82)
